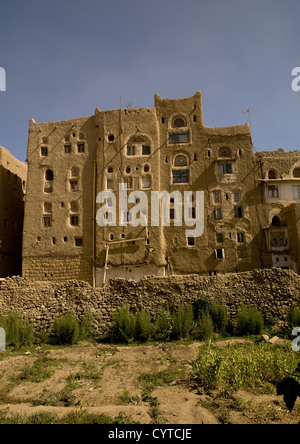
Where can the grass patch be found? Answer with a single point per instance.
(246, 366)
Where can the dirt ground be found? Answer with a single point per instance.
(107, 379)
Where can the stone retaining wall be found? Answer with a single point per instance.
(273, 291)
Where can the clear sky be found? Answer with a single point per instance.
(65, 58)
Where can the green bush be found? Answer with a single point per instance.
(183, 322)
(249, 321)
(18, 332)
(143, 327)
(66, 329)
(293, 317)
(205, 326)
(86, 327)
(123, 326)
(163, 325)
(218, 313)
(201, 305)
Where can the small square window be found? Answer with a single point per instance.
(78, 242)
(74, 185)
(74, 206)
(67, 149)
(191, 241)
(47, 221)
(130, 150)
(80, 148)
(74, 221)
(145, 150)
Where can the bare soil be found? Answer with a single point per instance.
(107, 379)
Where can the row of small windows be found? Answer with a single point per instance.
(146, 182)
(47, 221)
(238, 213)
(67, 149)
(78, 241)
(217, 196)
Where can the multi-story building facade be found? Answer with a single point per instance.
(119, 164)
(13, 176)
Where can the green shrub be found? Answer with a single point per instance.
(205, 326)
(143, 326)
(183, 321)
(201, 305)
(86, 327)
(218, 313)
(18, 332)
(249, 321)
(66, 329)
(163, 325)
(123, 326)
(293, 317)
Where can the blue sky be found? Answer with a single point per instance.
(65, 58)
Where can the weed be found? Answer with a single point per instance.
(249, 321)
(66, 329)
(41, 369)
(18, 332)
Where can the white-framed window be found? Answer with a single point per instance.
(225, 168)
(220, 253)
(241, 238)
(273, 191)
(218, 214)
(217, 196)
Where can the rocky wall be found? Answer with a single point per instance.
(273, 291)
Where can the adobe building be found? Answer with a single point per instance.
(119, 164)
(13, 176)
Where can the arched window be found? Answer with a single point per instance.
(49, 175)
(180, 172)
(224, 152)
(276, 221)
(272, 174)
(180, 161)
(296, 172)
(179, 122)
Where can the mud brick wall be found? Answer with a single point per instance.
(273, 291)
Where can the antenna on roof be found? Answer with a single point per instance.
(249, 111)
